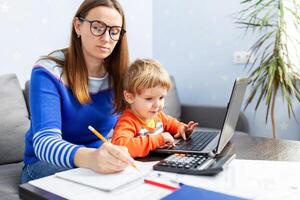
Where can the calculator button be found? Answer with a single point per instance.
(206, 164)
(187, 166)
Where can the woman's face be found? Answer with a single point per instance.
(97, 48)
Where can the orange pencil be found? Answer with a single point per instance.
(104, 140)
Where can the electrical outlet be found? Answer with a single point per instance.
(242, 57)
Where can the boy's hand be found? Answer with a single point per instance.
(186, 130)
(168, 139)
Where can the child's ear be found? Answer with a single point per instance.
(129, 97)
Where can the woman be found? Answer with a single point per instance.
(76, 87)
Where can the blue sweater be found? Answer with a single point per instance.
(59, 123)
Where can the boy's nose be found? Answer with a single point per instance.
(156, 103)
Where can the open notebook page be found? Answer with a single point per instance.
(105, 182)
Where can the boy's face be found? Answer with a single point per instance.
(147, 104)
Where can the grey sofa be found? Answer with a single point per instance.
(15, 120)
(206, 116)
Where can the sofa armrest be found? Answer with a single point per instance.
(26, 96)
(14, 121)
(211, 117)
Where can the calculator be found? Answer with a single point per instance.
(194, 164)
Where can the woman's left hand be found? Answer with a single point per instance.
(186, 130)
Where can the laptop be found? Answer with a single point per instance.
(212, 142)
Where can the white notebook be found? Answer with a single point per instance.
(105, 182)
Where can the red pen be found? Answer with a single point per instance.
(162, 185)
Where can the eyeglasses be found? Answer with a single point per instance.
(98, 28)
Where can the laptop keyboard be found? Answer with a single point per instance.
(198, 140)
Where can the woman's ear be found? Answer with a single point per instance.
(77, 26)
(129, 97)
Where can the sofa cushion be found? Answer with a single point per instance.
(14, 120)
(172, 103)
(10, 180)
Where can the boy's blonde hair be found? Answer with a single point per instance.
(145, 74)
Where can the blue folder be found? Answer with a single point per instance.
(193, 193)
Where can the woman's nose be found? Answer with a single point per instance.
(105, 36)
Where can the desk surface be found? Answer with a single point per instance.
(244, 146)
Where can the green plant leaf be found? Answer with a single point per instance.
(272, 68)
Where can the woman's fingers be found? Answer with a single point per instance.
(112, 158)
(120, 153)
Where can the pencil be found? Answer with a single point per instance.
(104, 140)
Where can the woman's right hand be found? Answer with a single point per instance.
(108, 158)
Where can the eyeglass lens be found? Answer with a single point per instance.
(98, 29)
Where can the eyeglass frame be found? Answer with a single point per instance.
(122, 32)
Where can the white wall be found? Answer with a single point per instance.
(198, 55)
(196, 41)
(139, 27)
(293, 41)
(33, 28)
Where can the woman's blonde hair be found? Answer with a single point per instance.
(116, 64)
(144, 74)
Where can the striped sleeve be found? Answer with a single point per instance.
(49, 146)
(45, 108)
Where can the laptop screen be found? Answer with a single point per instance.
(233, 110)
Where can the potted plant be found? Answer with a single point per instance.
(272, 67)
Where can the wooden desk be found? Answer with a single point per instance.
(244, 146)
